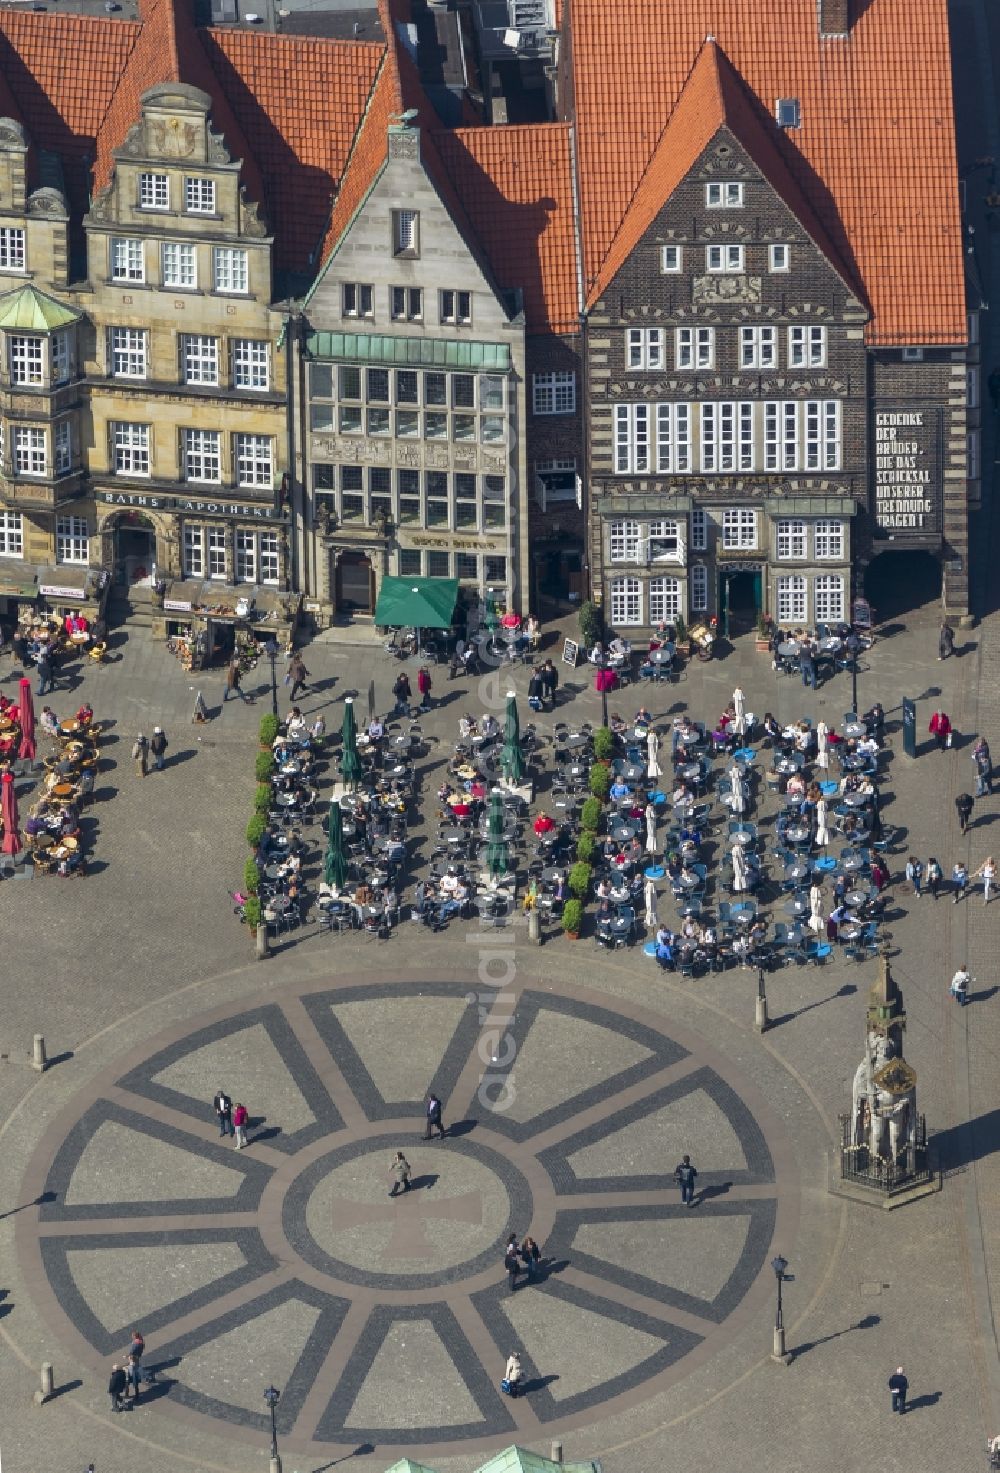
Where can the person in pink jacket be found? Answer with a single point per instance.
(240, 1126)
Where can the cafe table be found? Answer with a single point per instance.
(797, 871)
(852, 862)
(830, 645)
(63, 790)
(854, 728)
(789, 649)
(850, 930)
(798, 905)
(690, 772)
(789, 764)
(856, 800)
(856, 898)
(797, 833)
(576, 741)
(69, 727)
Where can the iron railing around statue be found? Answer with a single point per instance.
(859, 1164)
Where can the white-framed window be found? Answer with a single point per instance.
(154, 192)
(127, 263)
(11, 534)
(215, 540)
(27, 360)
(727, 436)
(357, 299)
(623, 541)
(251, 359)
(62, 447)
(200, 358)
(11, 248)
(790, 534)
(128, 352)
(831, 434)
(758, 347)
(270, 558)
(694, 347)
(454, 306)
(829, 540)
(626, 602)
(807, 347)
(130, 449)
(199, 196)
(673, 438)
(792, 600)
(699, 530)
(59, 357)
(406, 303)
(194, 551)
(727, 195)
(664, 540)
(246, 556)
(405, 233)
(779, 258)
(644, 347)
(725, 258)
(671, 259)
(632, 438)
(179, 264)
(254, 457)
(231, 269)
(739, 527)
(553, 393)
(664, 600)
(698, 578)
(913, 355)
(558, 481)
(202, 455)
(72, 540)
(828, 598)
(30, 451)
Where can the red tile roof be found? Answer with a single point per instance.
(875, 153)
(368, 153)
(516, 187)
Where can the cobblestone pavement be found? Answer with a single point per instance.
(140, 978)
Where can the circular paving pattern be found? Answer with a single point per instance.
(388, 1320)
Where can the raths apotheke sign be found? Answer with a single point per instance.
(253, 511)
(908, 470)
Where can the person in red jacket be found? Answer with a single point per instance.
(424, 687)
(240, 1117)
(940, 729)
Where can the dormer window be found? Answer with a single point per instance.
(154, 192)
(724, 196)
(405, 233)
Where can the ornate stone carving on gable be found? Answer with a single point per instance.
(217, 152)
(12, 135)
(172, 138)
(725, 228)
(100, 204)
(808, 309)
(48, 201)
(726, 289)
(722, 160)
(253, 226)
(701, 311)
(404, 143)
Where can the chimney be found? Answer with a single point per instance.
(834, 18)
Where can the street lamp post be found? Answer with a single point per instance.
(779, 1353)
(602, 668)
(760, 1014)
(854, 649)
(271, 651)
(272, 1396)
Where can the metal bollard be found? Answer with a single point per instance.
(48, 1382)
(39, 1060)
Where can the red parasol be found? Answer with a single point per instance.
(8, 809)
(27, 719)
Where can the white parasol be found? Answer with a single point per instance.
(650, 828)
(649, 894)
(739, 707)
(652, 748)
(822, 836)
(816, 920)
(741, 871)
(822, 755)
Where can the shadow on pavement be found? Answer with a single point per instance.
(868, 1323)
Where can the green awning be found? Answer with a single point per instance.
(373, 347)
(420, 603)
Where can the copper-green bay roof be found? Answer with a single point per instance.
(518, 1460)
(29, 310)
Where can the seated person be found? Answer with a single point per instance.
(690, 930)
(619, 649)
(596, 654)
(295, 726)
(617, 724)
(874, 720)
(48, 721)
(681, 797)
(643, 717)
(772, 731)
(604, 913)
(544, 824)
(85, 715)
(619, 789)
(490, 727)
(796, 787)
(466, 727)
(318, 729)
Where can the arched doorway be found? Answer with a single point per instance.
(355, 583)
(133, 548)
(896, 583)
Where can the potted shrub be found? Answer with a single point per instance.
(572, 918)
(586, 848)
(579, 879)
(264, 767)
(255, 830)
(590, 815)
(604, 744)
(591, 623)
(269, 727)
(599, 781)
(251, 877)
(682, 641)
(262, 800)
(251, 914)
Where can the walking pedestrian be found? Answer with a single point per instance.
(940, 728)
(988, 870)
(984, 767)
(43, 664)
(399, 1170)
(140, 755)
(233, 677)
(424, 684)
(807, 666)
(964, 804)
(296, 675)
(401, 690)
(946, 641)
(934, 876)
(158, 747)
(914, 873)
(684, 1175)
(960, 985)
(512, 1261)
(240, 1117)
(434, 1120)
(513, 1374)
(133, 1376)
(200, 713)
(19, 647)
(959, 880)
(116, 1387)
(550, 681)
(532, 1257)
(899, 1386)
(223, 1107)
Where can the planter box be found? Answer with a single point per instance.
(762, 646)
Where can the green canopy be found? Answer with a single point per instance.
(335, 864)
(511, 756)
(497, 861)
(418, 603)
(350, 762)
(491, 621)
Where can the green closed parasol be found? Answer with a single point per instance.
(496, 845)
(350, 762)
(511, 757)
(335, 862)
